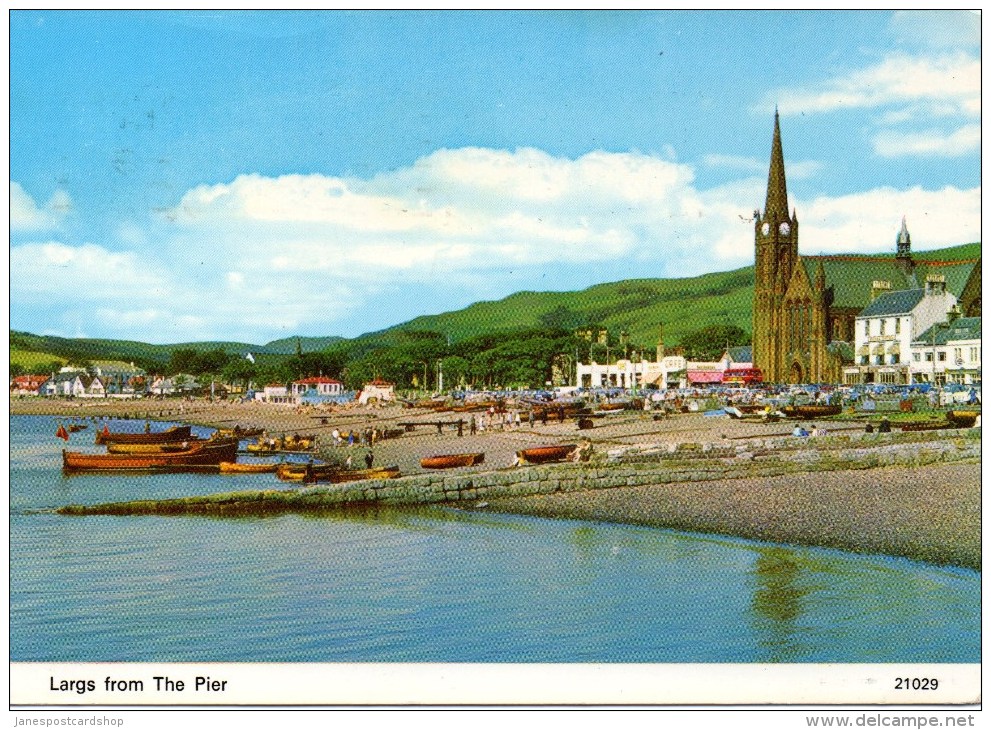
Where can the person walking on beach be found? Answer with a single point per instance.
(885, 426)
(472, 426)
(369, 458)
(336, 435)
(530, 418)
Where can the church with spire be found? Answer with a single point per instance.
(805, 307)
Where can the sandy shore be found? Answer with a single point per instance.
(930, 513)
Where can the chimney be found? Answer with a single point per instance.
(953, 315)
(936, 284)
(879, 287)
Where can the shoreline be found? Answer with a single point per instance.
(929, 513)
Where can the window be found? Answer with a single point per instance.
(974, 354)
(867, 328)
(895, 359)
(929, 357)
(957, 354)
(882, 327)
(879, 359)
(941, 356)
(898, 325)
(863, 359)
(915, 357)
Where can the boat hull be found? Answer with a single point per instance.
(809, 412)
(228, 467)
(356, 475)
(199, 456)
(452, 461)
(962, 419)
(545, 454)
(176, 433)
(165, 448)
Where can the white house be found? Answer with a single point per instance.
(885, 329)
(318, 387)
(274, 393)
(377, 391)
(948, 352)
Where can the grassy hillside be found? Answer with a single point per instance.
(34, 362)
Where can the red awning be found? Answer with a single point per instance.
(702, 377)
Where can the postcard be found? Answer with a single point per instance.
(496, 359)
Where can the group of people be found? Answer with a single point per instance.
(813, 430)
(367, 437)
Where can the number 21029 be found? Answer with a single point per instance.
(916, 683)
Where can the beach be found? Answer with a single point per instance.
(929, 513)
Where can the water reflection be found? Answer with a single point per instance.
(779, 594)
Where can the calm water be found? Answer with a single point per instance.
(439, 585)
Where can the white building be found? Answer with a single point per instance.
(886, 328)
(377, 391)
(948, 352)
(274, 393)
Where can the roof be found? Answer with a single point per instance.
(380, 383)
(963, 328)
(320, 380)
(894, 302)
(743, 353)
(850, 276)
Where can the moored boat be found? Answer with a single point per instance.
(301, 471)
(203, 455)
(241, 433)
(170, 447)
(545, 454)
(355, 475)
(452, 461)
(75, 427)
(811, 411)
(229, 467)
(176, 433)
(962, 419)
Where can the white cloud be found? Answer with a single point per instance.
(868, 222)
(892, 143)
(260, 258)
(54, 269)
(27, 216)
(897, 80)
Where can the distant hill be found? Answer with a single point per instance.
(639, 306)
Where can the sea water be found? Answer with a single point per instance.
(438, 585)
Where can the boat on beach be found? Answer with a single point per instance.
(452, 461)
(546, 454)
(811, 411)
(355, 475)
(174, 434)
(205, 455)
(296, 471)
(165, 448)
(230, 467)
(962, 419)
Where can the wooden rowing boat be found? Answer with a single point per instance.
(171, 447)
(297, 471)
(355, 475)
(924, 426)
(75, 427)
(241, 433)
(452, 461)
(198, 456)
(962, 419)
(228, 467)
(545, 454)
(809, 412)
(176, 433)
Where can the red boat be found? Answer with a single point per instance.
(545, 454)
(176, 433)
(205, 455)
(451, 461)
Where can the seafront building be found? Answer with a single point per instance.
(887, 327)
(948, 352)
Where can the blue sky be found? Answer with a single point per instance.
(249, 176)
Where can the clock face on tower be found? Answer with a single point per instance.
(765, 229)
(785, 229)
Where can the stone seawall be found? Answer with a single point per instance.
(640, 465)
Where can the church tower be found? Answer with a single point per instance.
(776, 255)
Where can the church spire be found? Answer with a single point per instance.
(776, 206)
(904, 241)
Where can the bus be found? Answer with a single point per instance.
(743, 377)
